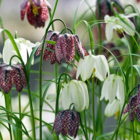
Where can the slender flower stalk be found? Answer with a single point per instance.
(40, 71)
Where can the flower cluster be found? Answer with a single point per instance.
(64, 47)
(9, 75)
(37, 12)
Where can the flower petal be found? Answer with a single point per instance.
(102, 67)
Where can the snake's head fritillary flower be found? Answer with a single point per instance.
(67, 122)
(10, 75)
(37, 12)
(24, 47)
(63, 49)
(75, 92)
(93, 65)
(115, 23)
(113, 86)
(133, 106)
(113, 108)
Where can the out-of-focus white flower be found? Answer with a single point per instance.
(114, 108)
(93, 65)
(24, 46)
(113, 86)
(51, 93)
(75, 92)
(115, 23)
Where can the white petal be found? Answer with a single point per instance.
(79, 67)
(66, 97)
(105, 90)
(129, 30)
(120, 93)
(85, 93)
(51, 97)
(109, 31)
(112, 108)
(101, 67)
(87, 67)
(8, 52)
(113, 88)
(23, 51)
(77, 96)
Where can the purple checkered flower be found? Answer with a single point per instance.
(64, 47)
(37, 12)
(10, 75)
(133, 104)
(67, 122)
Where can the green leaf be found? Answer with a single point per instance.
(50, 42)
(137, 68)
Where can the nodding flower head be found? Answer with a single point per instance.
(37, 12)
(133, 106)
(64, 47)
(67, 122)
(105, 8)
(9, 75)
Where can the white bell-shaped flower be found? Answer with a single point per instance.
(113, 87)
(114, 108)
(115, 23)
(51, 93)
(24, 46)
(93, 65)
(75, 92)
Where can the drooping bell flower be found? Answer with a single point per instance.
(114, 108)
(10, 75)
(75, 92)
(93, 66)
(67, 122)
(105, 9)
(116, 23)
(133, 106)
(37, 12)
(24, 46)
(113, 86)
(63, 49)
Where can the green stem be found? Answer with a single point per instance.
(31, 109)
(58, 92)
(19, 131)
(83, 127)
(85, 124)
(7, 105)
(94, 130)
(40, 70)
(3, 34)
(133, 130)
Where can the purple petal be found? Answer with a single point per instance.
(79, 47)
(23, 8)
(138, 95)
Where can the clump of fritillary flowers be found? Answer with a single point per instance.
(63, 49)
